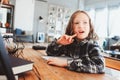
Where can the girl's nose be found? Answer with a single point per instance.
(80, 25)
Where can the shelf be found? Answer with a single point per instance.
(6, 27)
(7, 19)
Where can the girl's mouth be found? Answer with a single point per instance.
(81, 31)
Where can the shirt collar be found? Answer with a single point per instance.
(81, 42)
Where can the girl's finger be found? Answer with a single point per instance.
(66, 37)
(73, 35)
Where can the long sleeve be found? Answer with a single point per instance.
(93, 62)
(85, 56)
(54, 49)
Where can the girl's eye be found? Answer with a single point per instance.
(85, 22)
(76, 23)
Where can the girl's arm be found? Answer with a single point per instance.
(54, 49)
(92, 63)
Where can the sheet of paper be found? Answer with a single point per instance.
(62, 57)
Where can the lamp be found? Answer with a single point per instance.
(40, 19)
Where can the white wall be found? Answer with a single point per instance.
(100, 3)
(73, 4)
(24, 14)
(12, 2)
(81, 4)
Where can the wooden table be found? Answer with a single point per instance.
(43, 71)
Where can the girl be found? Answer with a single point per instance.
(79, 43)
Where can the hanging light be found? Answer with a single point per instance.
(40, 18)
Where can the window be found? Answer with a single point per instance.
(114, 21)
(106, 20)
(101, 22)
(91, 13)
(99, 19)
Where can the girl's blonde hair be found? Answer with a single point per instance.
(69, 28)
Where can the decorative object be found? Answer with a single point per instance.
(41, 37)
(0, 24)
(4, 1)
(7, 25)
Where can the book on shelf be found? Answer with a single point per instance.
(18, 65)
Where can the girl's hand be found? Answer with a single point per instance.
(65, 39)
(57, 62)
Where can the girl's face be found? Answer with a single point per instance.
(81, 26)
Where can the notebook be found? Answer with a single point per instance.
(61, 57)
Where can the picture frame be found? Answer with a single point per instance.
(40, 37)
